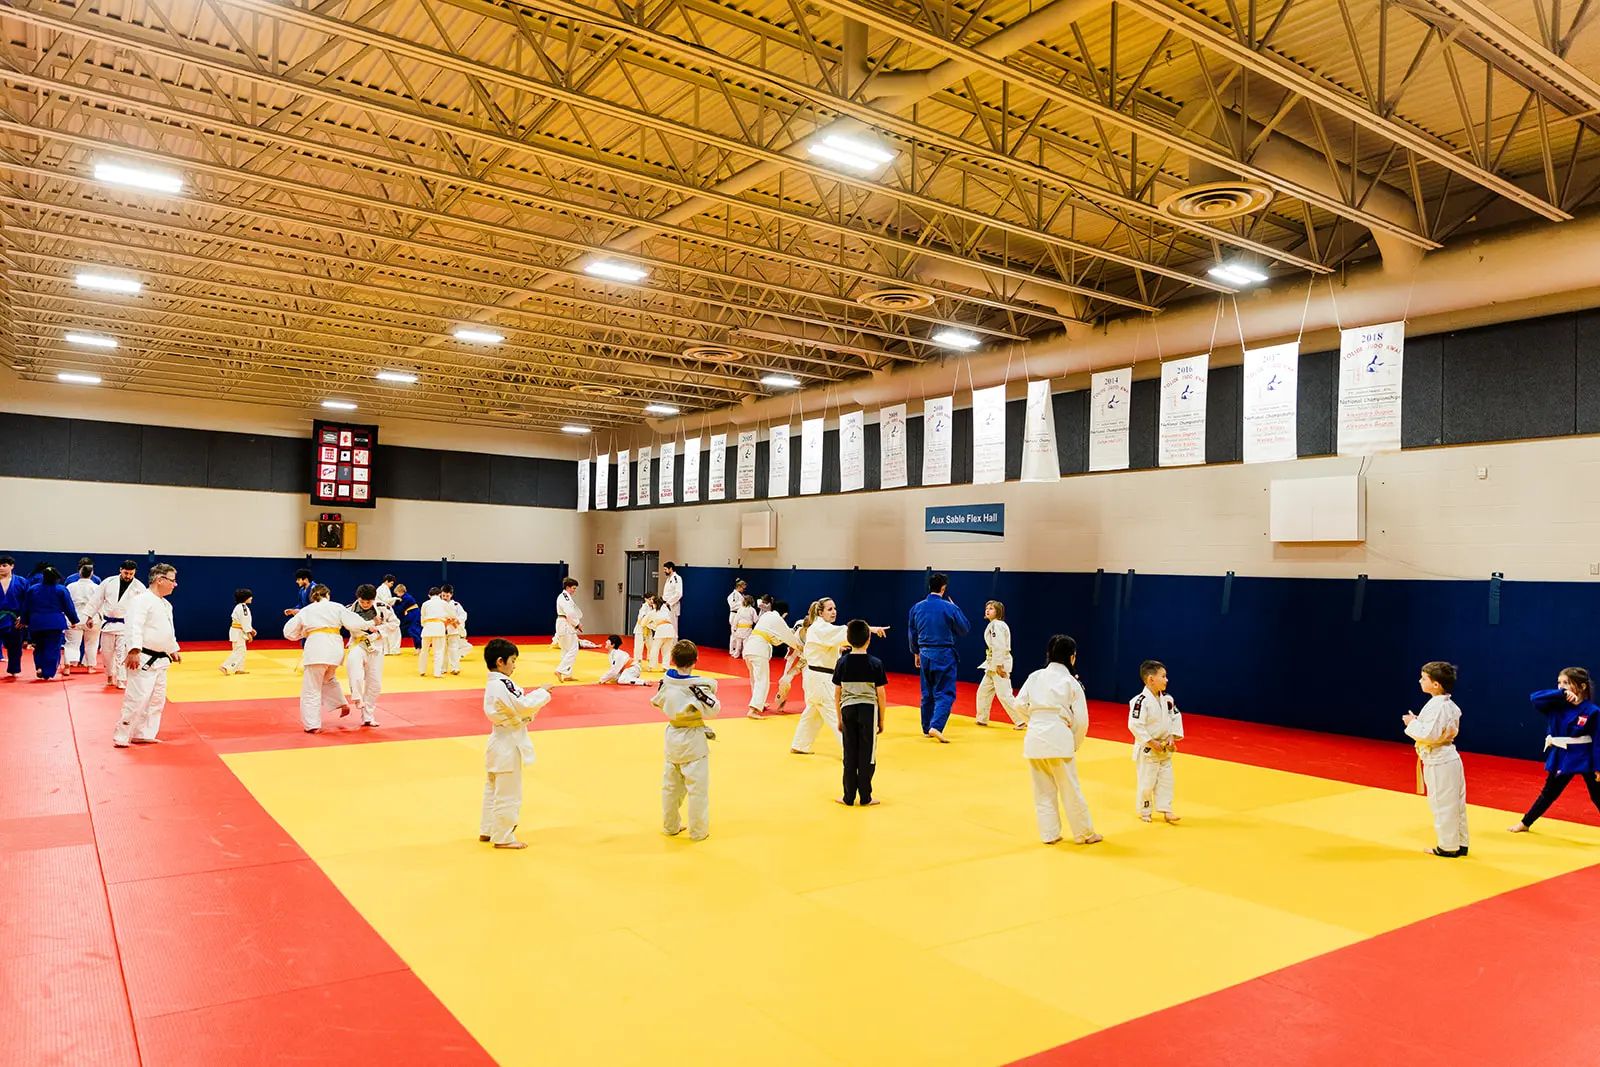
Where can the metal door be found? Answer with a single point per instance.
(643, 578)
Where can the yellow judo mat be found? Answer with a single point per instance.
(934, 929)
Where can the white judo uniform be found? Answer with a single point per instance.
(744, 621)
(997, 643)
(1434, 731)
(621, 671)
(456, 645)
(641, 633)
(147, 627)
(672, 593)
(83, 640)
(318, 624)
(663, 635)
(687, 703)
(735, 604)
(569, 621)
(769, 630)
(1052, 703)
(437, 614)
(510, 710)
(241, 627)
(1155, 723)
(364, 661)
(115, 601)
(391, 634)
(824, 642)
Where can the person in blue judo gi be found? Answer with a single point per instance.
(12, 588)
(46, 610)
(935, 625)
(1571, 717)
(410, 614)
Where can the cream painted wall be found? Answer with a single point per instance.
(1535, 516)
(49, 515)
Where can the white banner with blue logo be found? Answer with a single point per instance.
(583, 485)
(938, 432)
(745, 477)
(852, 451)
(989, 435)
(1040, 461)
(691, 470)
(1183, 411)
(643, 480)
(1371, 360)
(665, 490)
(810, 456)
(717, 468)
(602, 482)
(622, 477)
(892, 446)
(1110, 397)
(1271, 392)
(778, 461)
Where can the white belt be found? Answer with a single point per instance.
(1562, 742)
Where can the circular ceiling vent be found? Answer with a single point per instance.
(597, 390)
(896, 300)
(1215, 201)
(713, 354)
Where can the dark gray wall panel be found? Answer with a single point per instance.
(105, 451)
(35, 446)
(1144, 424)
(171, 456)
(1316, 405)
(1510, 382)
(240, 461)
(408, 473)
(1072, 430)
(1224, 415)
(1422, 393)
(514, 480)
(463, 477)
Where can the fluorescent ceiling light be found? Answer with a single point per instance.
(662, 409)
(1237, 275)
(850, 152)
(620, 272)
(574, 429)
(108, 284)
(780, 381)
(138, 177)
(78, 379)
(396, 376)
(955, 339)
(478, 337)
(91, 340)
(339, 405)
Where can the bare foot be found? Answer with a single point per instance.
(1019, 726)
(1519, 829)
(983, 722)
(874, 802)
(224, 670)
(939, 737)
(1171, 818)
(147, 740)
(1144, 818)
(314, 730)
(1053, 841)
(513, 844)
(1090, 839)
(241, 672)
(841, 800)
(483, 837)
(798, 752)
(672, 833)
(754, 714)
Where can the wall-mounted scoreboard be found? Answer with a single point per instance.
(343, 464)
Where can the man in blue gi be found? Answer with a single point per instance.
(935, 624)
(12, 589)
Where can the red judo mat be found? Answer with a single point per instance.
(152, 913)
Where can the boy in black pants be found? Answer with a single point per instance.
(859, 686)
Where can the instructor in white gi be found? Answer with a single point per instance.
(150, 645)
(569, 624)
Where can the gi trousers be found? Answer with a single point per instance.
(319, 691)
(1155, 787)
(1447, 797)
(142, 703)
(47, 650)
(819, 709)
(502, 805)
(938, 687)
(692, 779)
(991, 688)
(1057, 780)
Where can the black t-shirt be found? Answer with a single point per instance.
(859, 675)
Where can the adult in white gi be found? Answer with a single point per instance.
(1434, 731)
(825, 639)
(318, 624)
(116, 597)
(438, 618)
(456, 645)
(364, 663)
(241, 630)
(1052, 703)
(735, 602)
(83, 639)
(770, 629)
(996, 664)
(619, 670)
(149, 645)
(391, 633)
(569, 624)
(672, 592)
(687, 700)
(510, 709)
(1157, 727)
(663, 635)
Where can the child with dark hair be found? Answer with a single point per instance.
(620, 671)
(363, 664)
(687, 700)
(1434, 731)
(860, 687)
(1571, 717)
(1052, 703)
(1157, 727)
(510, 709)
(241, 630)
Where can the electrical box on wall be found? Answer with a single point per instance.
(758, 530)
(1319, 509)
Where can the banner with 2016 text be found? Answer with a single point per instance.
(938, 433)
(989, 435)
(892, 446)
(745, 478)
(1110, 398)
(811, 437)
(717, 468)
(1271, 403)
(852, 451)
(583, 485)
(778, 461)
(666, 491)
(622, 478)
(602, 482)
(1040, 461)
(1371, 365)
(691, 470)
(1182, 440)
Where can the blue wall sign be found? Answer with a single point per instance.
(967, 518)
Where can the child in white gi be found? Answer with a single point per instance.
(1157, 727)
(456, 645)
(621, 671)
(319, 623)
(663, 635)
(510, 709)
(569, 624)
(1434, 731)
(744, 622)
(364, 665)
(996, 664)
(241, 630)
(687, 701)
(641, 629)
(736, 600)
(1052, 703)
(438, 617)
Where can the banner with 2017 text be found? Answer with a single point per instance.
(1182, 440)
(1110, 398)
(1271, 403)
(1371, 365)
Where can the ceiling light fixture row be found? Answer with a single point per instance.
(1236, 274)
(851, 152)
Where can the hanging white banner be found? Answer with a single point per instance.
(602, 482)
(642, 480)
(852, 451)
(622, 477)
(666, 492)
(1040, 463)
(717, 468)
(1110, 401)
(1371, 362)
(778, 461)
(892, 446)
(1271, 394)
(989, 435)
(1183, 411)
(745, 478)
(583, 485)
(691, 470)
(938, 431)
(811, 457)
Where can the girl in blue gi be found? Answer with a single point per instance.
(1571, 716)
(46, 607)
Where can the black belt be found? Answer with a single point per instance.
(819, 670)
(153, 656)
(103, 621)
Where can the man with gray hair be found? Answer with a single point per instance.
(150, 645)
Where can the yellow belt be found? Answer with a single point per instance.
(235, 626)
(324, 630)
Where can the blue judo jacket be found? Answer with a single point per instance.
(48, 607)
(1567, 720)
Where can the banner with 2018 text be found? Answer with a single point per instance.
(1371, 366)
(938, 435)
(1271, 403)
